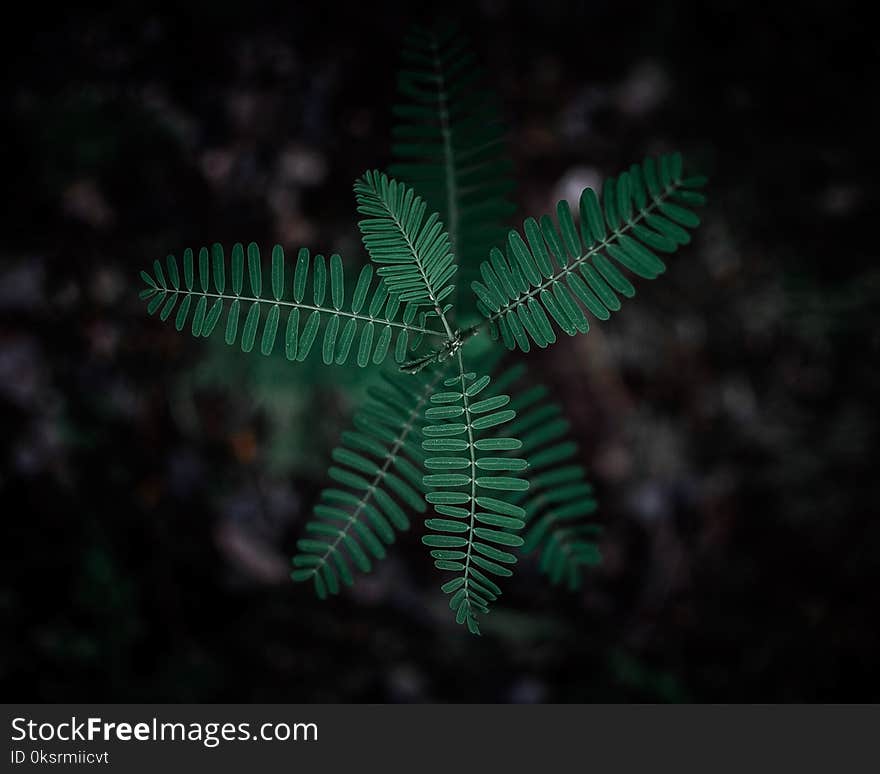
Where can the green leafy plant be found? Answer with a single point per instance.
(496, 476)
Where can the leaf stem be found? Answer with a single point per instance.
(310, 307)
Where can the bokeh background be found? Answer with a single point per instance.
(153, 486)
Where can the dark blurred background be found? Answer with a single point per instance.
(153, 486)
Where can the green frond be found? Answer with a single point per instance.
(559, 272)
(367, 326)
(559, 502)
(473, 479)
(412, 251)
(449, 144)
(378, 478)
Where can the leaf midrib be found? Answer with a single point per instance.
(308, 307)
(417, 262)
(576, 262)
(473, 465)
(390, 457)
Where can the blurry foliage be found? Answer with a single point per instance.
(288, 397)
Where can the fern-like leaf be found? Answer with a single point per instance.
(412, 251)
(371, 324)
(378, 477)
(449, 144)
(559, 502)
(473, 480)
(559, 272)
